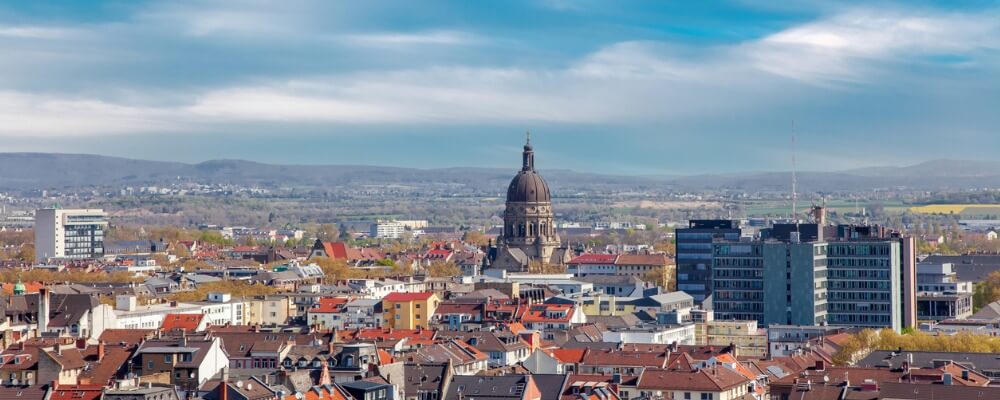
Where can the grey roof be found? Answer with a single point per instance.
(926, 359)
(672, 297)
(423, 377)
(988, 312)
(199, 278)
(550, 385)
(493, 387)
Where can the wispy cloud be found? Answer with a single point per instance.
(436, 37)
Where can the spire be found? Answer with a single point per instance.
(529, 154)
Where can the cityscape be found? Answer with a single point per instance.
(427, 201)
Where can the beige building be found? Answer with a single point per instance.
(267, 310)
(748, 338)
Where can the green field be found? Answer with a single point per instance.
(762, 208)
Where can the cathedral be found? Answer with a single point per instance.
(529, 232)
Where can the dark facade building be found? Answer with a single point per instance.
(694, 254)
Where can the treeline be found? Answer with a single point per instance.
(860, 344)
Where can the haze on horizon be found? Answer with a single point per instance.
(620, 87)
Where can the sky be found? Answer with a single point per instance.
(624, 87)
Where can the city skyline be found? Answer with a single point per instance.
(645, 89)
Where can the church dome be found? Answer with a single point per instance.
(528, 186)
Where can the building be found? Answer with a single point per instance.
(793, 275)
(69, 233)
(408, 310)
(751, 340)
(785, 340)
(529, 232)
(940, 307)
(639, 265)
(387, 229)
(694, 254)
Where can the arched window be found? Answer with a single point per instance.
(542, 230)
(531, 230)
(520, 230)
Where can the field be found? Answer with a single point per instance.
(764, 208)
(966, 210)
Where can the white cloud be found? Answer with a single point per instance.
(849, 46)
(623, 83)
(36, 32)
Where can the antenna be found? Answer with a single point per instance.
(795, 194)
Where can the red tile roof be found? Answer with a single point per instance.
(540, 313)
(329, 305)
(76, 392)
(185, 322)
(396, 296)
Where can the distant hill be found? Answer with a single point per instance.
(23, 171)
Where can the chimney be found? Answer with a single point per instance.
(43, 311)
(81, 343)
(59, 348)
(100, 351)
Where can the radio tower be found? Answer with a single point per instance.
(795, 194)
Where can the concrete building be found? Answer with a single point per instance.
(694, 254)
(785, 340)
(792, 274)
(387, 230)
(69, 233)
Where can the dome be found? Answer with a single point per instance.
(528, 187)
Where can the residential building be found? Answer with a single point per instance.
(408, 310)
(387, 229)
(509, 387)
(751, 340)
(189, 361)
(785, 340)
(69, 233)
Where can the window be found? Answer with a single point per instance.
(398, 306)
(418, 305)
(149, 364)
(169, 358)
(706, 396)
(687, 395)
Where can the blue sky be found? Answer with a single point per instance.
(657, 87)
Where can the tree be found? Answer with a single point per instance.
(475, 238)
(540, 267)
(443, 269)
(328, 233)
(663, 277)
(335, 270)
(987, 291)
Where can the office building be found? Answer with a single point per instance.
(806, 274)
(69, 233)
(694, 254)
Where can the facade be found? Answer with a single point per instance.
(694, 254)
(409, 310)
(529, 232)
(864, 283)
(792, 276)
(750, 340)
(69, 233)
(387, 230)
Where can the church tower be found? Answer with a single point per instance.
(529, 232)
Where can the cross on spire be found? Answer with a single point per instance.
(527, 135)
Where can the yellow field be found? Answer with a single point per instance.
(956, 209)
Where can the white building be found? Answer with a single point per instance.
(69, 233)
(680, 334)
(387, 229)
(129, 315)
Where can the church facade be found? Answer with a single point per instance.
(529, 232)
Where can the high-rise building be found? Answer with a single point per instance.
(69, 233)
(772, 282)
(694, 254)
(806, 274)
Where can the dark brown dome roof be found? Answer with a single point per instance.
(528, 186)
